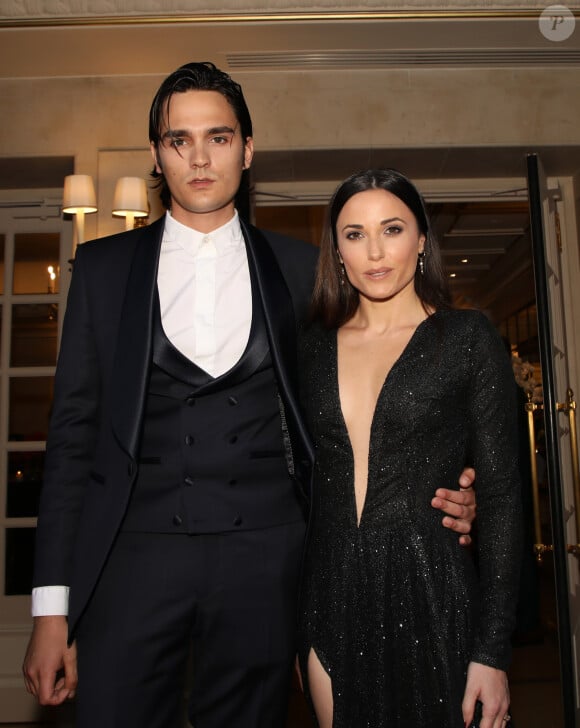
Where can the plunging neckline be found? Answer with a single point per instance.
(396, 365)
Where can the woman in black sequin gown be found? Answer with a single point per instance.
(398, 627)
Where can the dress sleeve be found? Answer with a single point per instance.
(494, 447)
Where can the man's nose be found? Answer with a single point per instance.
(199, 156)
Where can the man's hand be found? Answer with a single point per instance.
(50, 665)
(459, 505)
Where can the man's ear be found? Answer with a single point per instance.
(248, 153)
(155, 158)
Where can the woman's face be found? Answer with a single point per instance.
(378, 241)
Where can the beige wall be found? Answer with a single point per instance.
(317, 109)
(83, 117)
(415, 108)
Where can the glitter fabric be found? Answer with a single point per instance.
(394, 608)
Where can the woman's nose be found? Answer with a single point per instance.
(375, 249)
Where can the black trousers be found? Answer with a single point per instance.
(229, 598)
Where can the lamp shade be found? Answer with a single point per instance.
(130, 198)
(79, 194)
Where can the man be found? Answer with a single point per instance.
(177, 467)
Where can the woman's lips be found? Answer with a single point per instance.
(377, 273)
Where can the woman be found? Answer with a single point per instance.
(398, 628)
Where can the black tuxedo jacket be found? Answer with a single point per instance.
(101, 385)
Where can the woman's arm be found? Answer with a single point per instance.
(494, 446)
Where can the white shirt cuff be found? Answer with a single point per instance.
(48, 601)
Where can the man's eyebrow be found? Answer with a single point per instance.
(172, 133)
(221, 130)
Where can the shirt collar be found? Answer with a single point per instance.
(225, 238)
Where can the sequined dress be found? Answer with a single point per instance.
(394, 608)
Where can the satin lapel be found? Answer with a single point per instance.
(277, 306)
(133, 354)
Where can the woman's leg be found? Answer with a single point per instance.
(320, 687)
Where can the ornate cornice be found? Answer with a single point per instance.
(302, 17)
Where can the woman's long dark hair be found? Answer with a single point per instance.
(334, 300)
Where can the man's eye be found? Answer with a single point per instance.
(220, 140)
(177, 142)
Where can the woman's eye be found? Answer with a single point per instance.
(393, 230)
(353, 235)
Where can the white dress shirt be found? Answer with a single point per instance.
(206, 311)
(205, 293)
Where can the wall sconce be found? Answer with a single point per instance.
(79, 198)
(130, 200)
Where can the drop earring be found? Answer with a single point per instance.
(342, 271)
(422, 262)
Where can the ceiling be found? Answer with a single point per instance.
(486, 251)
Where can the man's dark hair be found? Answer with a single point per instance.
(335, 302)
(203, 76)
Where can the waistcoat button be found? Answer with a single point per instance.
(233, 401)
(188, 480)
(233, 481)
(238, 521)
(177, 520)
(190, 401)
(233, 439)
(189, 440)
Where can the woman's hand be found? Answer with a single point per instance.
(490, 687)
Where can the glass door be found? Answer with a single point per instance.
(33, 285)
(558, 422)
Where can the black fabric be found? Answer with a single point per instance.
(211, 455)
(213, 461)
(393, 607)
(101, 387)
(230, 598)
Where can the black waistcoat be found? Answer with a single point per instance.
(212, 455)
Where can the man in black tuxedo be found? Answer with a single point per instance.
(177, 468)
